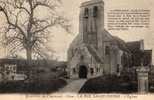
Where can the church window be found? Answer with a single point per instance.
(74, 70)
(72, 53)
(97, 69)
(92, 71)
(107, 50)
(95, 11)
(118, 68)
(7, 72)
(95, 14)
(86, 13)
(81, 57)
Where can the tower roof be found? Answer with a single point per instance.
(91, 2)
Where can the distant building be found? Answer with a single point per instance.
(139, 55)
(95, 51)
(18, 69)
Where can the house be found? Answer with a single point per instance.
(10, 70)
(95, 51)
(17, 69)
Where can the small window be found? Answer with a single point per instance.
(107, 50)
(95, 11)
(12, 77)
(118, 68)
(14, 68)
(75, 50)
(92, 71)
(86, 13)
(7, 72)
(81, 57)
(98, 69)
(74, 70)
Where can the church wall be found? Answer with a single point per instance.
(88, 61)
(112, 60)
(107, 58)
(100, 25)
(119, 61)
(97, 68)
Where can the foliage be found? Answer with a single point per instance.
(35, 87)
(28, 30)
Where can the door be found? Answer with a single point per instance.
(83, 71)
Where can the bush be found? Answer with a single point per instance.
(108, 84)
(32, 87)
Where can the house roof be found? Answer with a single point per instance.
(116, 40)
(90, 2)
(126, 46)
(120, 43)
(134, 45)
(76, 41)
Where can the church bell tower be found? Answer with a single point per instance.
(92, 22)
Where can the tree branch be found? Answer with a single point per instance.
(44, 4)
(10, 23)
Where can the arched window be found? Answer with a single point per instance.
(107, 50)
(95, 11)
(86, 13)
(81, 57)
(74, 70)
(92, 71)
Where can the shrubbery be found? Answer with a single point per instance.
(32, 87)
(109, 84)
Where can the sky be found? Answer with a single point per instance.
(71, 8)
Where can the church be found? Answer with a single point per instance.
(94, 51)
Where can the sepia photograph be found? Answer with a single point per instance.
(76, 46)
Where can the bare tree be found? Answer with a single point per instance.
(25, 30)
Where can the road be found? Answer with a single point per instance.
(73, 87)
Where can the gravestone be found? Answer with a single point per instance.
(143, 81)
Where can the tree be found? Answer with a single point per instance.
(24, 29)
